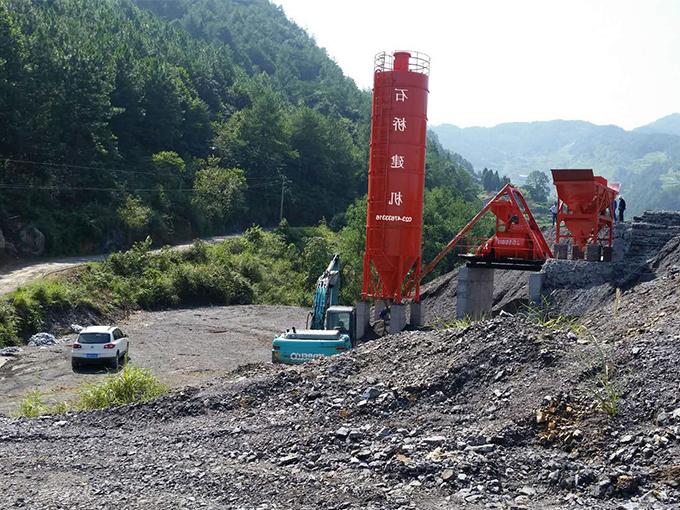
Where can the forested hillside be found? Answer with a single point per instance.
(173, 118)
(646, 163)
(670, 125)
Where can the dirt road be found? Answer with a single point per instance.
(183, 347)
(22, 273)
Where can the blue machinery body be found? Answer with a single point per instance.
(331, 328)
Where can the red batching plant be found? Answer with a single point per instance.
(585, 209)
(396, 175)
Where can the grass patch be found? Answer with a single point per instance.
(32, 406)
(130, 385)
(602, 387)
(544, 314)
(463, 323)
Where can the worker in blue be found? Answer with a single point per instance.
(614, 209)
(553, 211)
(622, 208)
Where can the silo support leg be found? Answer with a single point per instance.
(397, 318)
(417, 315)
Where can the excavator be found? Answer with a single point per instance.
(331, 328)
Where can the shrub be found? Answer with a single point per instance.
(9, 325)
(28, 311)
(32, 405)
(132, 384)
(210, 284)
(131, 262)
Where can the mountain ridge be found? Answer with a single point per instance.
(645, 163)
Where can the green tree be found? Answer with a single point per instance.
(257, 139)
(219, 192)
(538, 186)
(136, 217)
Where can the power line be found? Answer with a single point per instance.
(76, 167)
(109, 169)
(84, 188)
(255, 188)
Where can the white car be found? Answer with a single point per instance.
(106, 344)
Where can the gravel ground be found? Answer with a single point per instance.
(499, 415)
(181, 346)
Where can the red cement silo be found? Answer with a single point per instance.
(396, 174)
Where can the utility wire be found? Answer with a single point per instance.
(255, 188)
(68, 166)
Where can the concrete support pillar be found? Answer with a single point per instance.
(378, 307)
(576, 253)
(607, 252)
(536, 287)
(417, 315)
(560, 251)
(474, 297)
(363, 309)
(593, 252)
(397, 318)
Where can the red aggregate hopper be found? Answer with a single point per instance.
(584, 207)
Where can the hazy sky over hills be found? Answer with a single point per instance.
(493, 61)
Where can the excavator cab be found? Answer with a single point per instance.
(343, 319)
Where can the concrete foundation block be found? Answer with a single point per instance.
(576, 253)
(593, 252)
(474, 296)
(363, 312)
(536, 287)
(561, 251)
(417, 315)
(397, 318)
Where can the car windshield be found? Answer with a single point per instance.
(339, 321)
(94, 338)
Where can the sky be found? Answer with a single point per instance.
(494, 61)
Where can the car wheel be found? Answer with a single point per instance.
(115, 362)
(75, 364)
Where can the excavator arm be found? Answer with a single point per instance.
(327, 294)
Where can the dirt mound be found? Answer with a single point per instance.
(501, 414)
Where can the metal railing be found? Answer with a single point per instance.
(417, 63)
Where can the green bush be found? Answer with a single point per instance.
(131, 262)
(209, 284)
(132, 384)
(32, 405)
(28, 310)
(9, 325)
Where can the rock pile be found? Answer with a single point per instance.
(42, 340)
(12, 350)
(502, 414)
